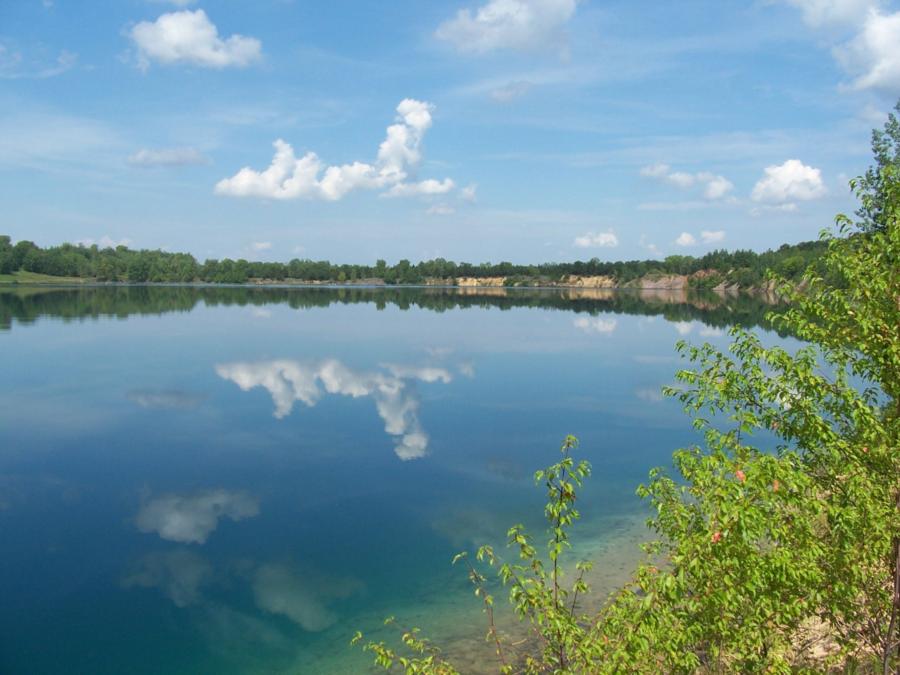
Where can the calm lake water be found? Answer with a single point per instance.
(232, 480)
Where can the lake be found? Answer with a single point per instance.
(234, 480)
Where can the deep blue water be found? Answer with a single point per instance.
(233, 481)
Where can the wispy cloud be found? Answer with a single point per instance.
(15, 65)
(150, 157)
(523, 25)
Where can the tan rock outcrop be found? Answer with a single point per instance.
(480, 281)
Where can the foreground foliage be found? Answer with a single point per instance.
(778, 560)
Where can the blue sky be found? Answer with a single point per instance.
(522, 130)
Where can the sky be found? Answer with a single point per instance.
(474, 130)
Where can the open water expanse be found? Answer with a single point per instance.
(234, 480)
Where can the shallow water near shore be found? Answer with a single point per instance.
(228, 480)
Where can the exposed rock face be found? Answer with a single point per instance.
(664, 282)
(483, 281)
(576, 281)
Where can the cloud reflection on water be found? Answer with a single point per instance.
(396, 400)
(191, 519)
(179, 574)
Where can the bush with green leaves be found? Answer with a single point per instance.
(778, 538)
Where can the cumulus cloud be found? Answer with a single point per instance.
(469, 193)
(259, 246)
(713, 186)
(508, 24)
(395, 400)
(873, 56)
(164, 399)
(289, 177)
(597, 240)
(191, 519)
(190, 37)
(426, 187)
(178, 574)
(712, 236)
(302, 596)
(686, 239)
(146, 157)
(596, 325)
(789, 182)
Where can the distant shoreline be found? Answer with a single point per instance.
(669, 283)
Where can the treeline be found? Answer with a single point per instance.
(743, 268)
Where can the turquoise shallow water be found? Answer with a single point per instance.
(214, 480)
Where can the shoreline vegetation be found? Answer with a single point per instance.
(25, 263)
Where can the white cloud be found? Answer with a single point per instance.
(686, 239)
(788, 182)
(190, 37)
(714, 186)
(396, 402)
(426, 187)
(302, 596)
(833, 13)
(289, 178)
(104, 242)
(191, 519)
(709, 331)
(873, 56)
(597, 240)
(510, 91)
(508, 24)
(712, 236)
(469, 193)
(597, 325)
(178, 574)
(259, 246)
(146, 157)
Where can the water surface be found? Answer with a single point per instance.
(233, 480)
